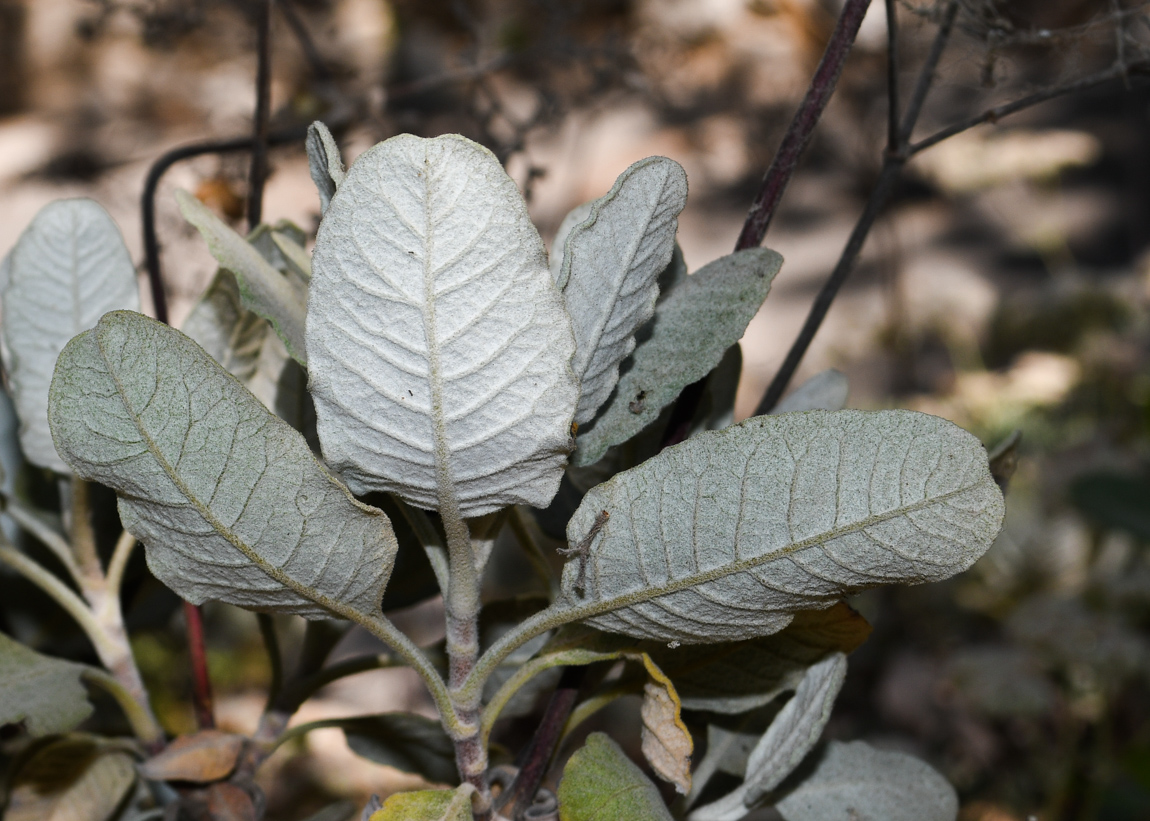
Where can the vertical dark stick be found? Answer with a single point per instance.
(803, 125)
(201, 682)
(891, 168)
(259, 169)
(892, 68)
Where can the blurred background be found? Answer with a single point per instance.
(1005, 287)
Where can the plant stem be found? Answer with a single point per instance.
(462, 606)
(31, 522)
(259, 166)
(429, 538)
(76, 607)
(119, 562)
(539, 753)
(198, 656)
(275, 657)
(144, 724)
(892, 71)
(803, 125)
(891, 168)
(83, 538)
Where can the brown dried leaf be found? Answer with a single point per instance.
(667, 745)
(203, 757)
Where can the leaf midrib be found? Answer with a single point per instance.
(263, 564)
(600, 606)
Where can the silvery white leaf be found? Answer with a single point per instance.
(324, 162)
(68, 268)
(610, 264)
(228, 500)
(792, 734)
(694, 326)
(857, 782)
(826, 390)
(575, 216)
(263, 289)
(439, 347)
(797, 727)
(724, 536)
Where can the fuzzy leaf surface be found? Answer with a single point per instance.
(700, 319)
(68, 269)
(263, 289)
(439, 346)
(44, 694)
(856, 782)
(726, 535)
(427, 805)
(228, 499)
(795, 730)
(611, 261)
(324, 163)
(600, 783)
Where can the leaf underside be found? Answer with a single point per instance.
(611, 261)
(43, 694)
(227, 498)
(703, 316)
(438, 344)
(69, 267)
(726, 535)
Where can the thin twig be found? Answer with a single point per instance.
(892, 70)
(275, 657)
(803, 125)
(259, 167)
(202, 702)
(537, 756)
(319, 67)
(152, 183)
(993, 115)
(891, 167)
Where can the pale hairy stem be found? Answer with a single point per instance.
(119, 562)
(462, 611)
(144, 724)
(76, 607)
(536, 625)
(30, 521)
(83, 537)
(429, 538)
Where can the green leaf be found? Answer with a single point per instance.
(410, 743)
(600, 783)
(68, 268)
(263, 289)
(324, 162)
(228, 500)
(428, 805)
(694, 326)
(795, 730)
(43, 694)
(734, 677)
(726, 535)
(826, 390)
(438, 344)
(610, 264)
(230, 333)
(75, 778)
(857, 782)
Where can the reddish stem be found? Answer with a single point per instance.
(803, 125)
(201, 682)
